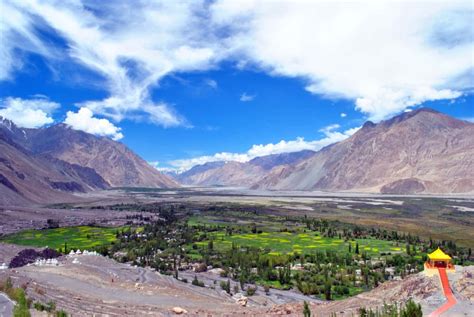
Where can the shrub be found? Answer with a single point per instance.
(197, 282)
(251, 290)
(61, 313)
(226, 286)
(28, 256)
(267, 289)
(39, 306)
(21, 308)
(202, 267)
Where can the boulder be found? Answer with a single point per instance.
(179, 310)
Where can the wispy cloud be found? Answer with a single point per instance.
(244, 97)
(211, 83)
(343, 115)
(257, 150)
(385, 56)
(131, 45)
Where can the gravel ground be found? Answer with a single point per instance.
(6, 306)
(20, 218)
(275, 297)
(98, 285)
(94, 285)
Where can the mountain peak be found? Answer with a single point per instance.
(410, 114)
(368, 124)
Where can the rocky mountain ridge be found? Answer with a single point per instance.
(47, 165)
(423, 151)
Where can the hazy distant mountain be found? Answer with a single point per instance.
(239, 174)
(197, 174)
(422, 151)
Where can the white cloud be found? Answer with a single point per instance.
(211, 83)
(244, 97)
(132, 45)
(299, 144)
(157, 166)
(343, 115)
(84, 120)
(328, 129)
(17, 34)
(384, 55)
(28, 113)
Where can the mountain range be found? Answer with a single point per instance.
(239, 174)
(422, 151)
(48, 164)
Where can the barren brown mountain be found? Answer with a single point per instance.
(112, 160)
(47, 165)
(422, 151)
(25, 177)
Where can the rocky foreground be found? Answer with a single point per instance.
(86, 285)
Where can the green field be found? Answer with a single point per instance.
(277, 243)
(83, 237)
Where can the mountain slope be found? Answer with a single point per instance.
(112, 160)
(422, 151)
(26, 178)
(239, 174)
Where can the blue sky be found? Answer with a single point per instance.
(187, 83)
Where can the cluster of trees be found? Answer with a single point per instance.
(410, 309)
(165, 245)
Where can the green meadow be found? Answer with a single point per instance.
(277, 243)
(82, 237)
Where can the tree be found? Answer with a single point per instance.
(411, 310)
(327, 290)
(242, 282)
(254, 228)
(357, 248)
(306, 310)
(267, 289)
(226, 286)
